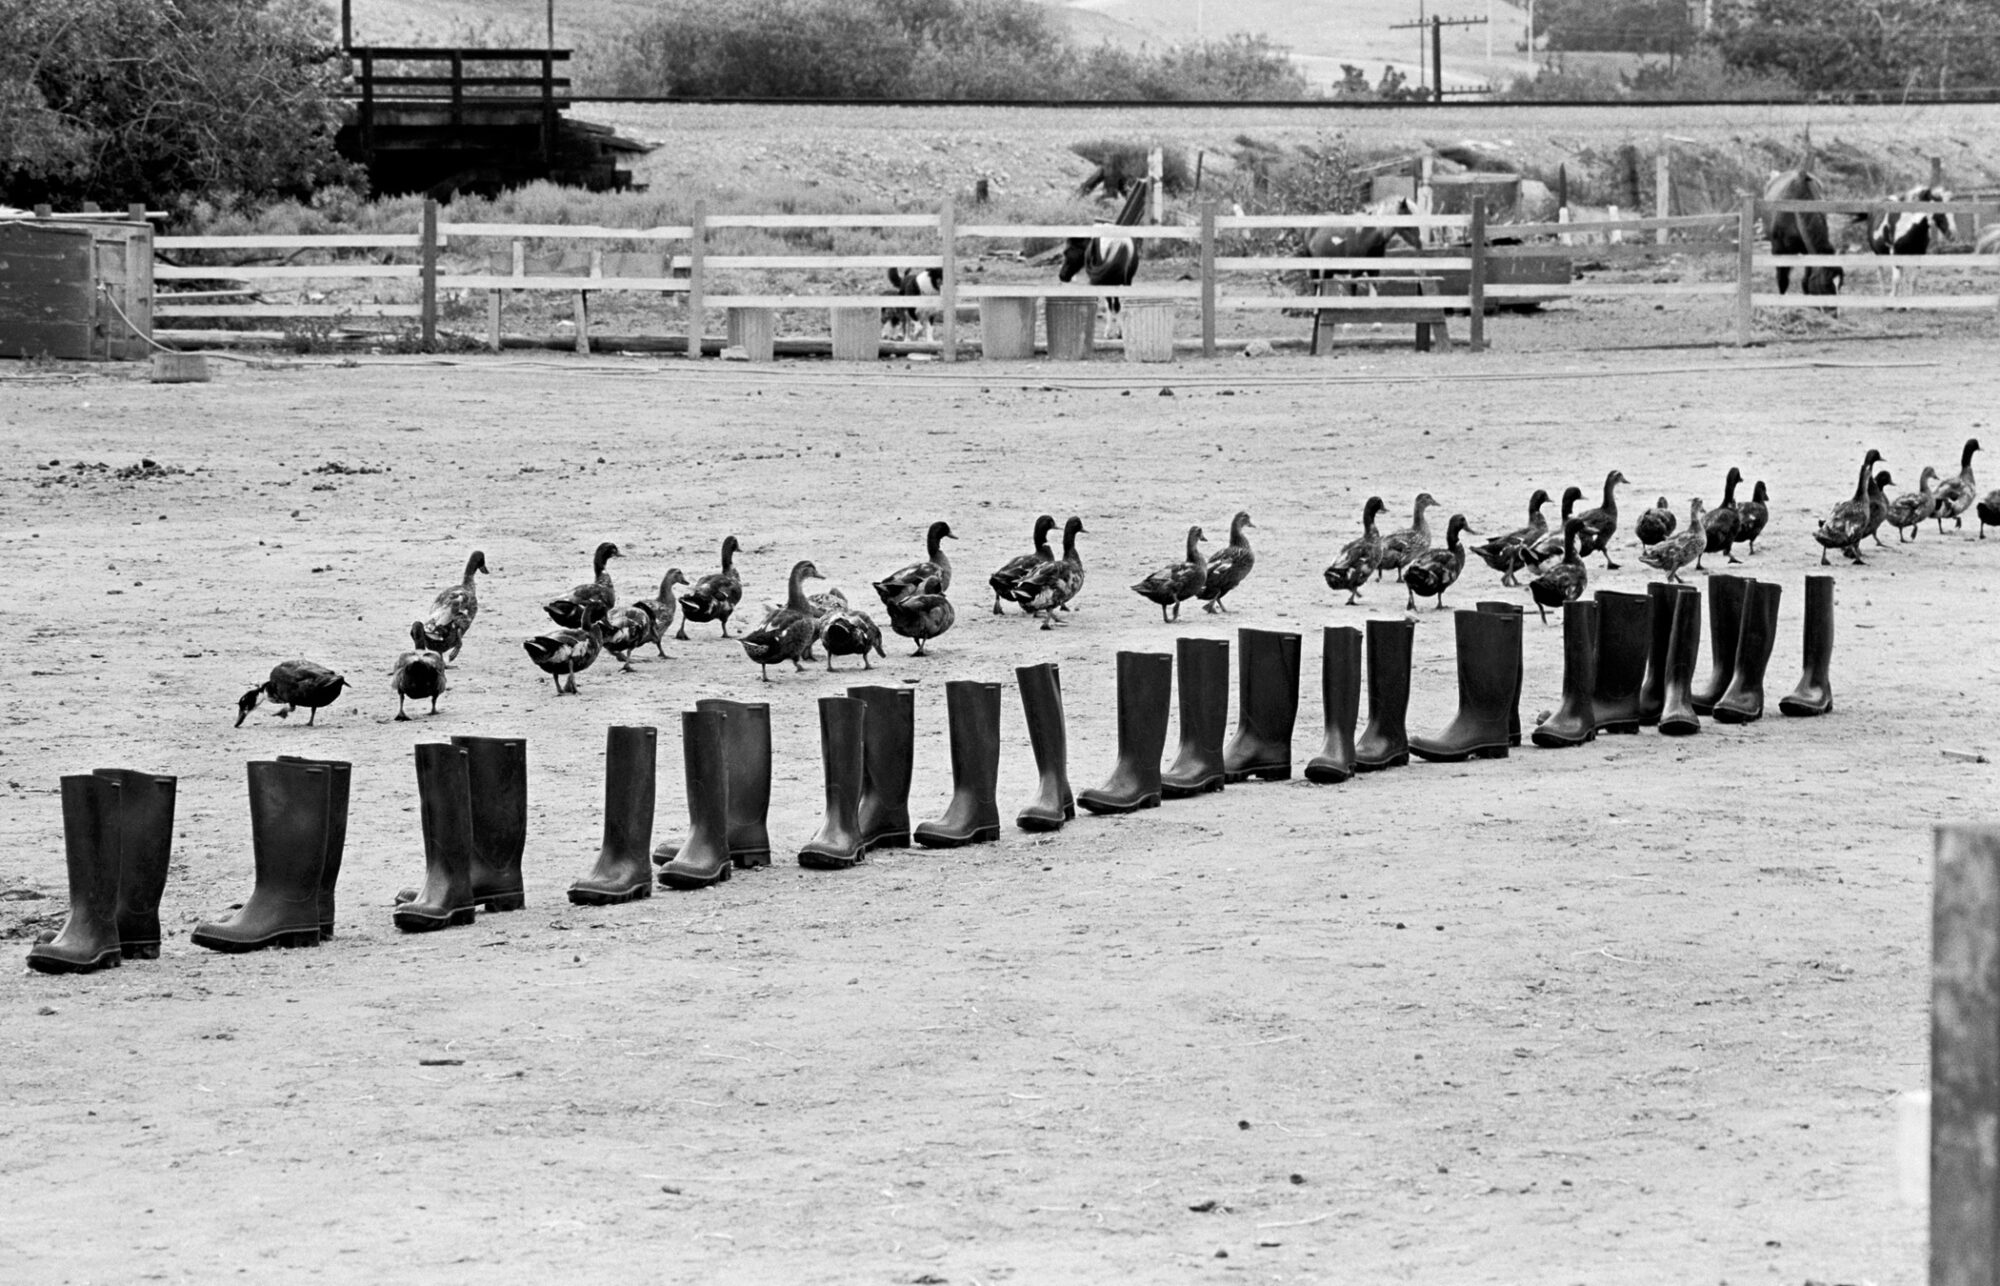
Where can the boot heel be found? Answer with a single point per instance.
(139, 950)
(1273, 774)
(1150, 801)
(297, 938)
(1490, 752)
(894, 839)
(1393, 761)
(504, 902)
(746, 861)
(672, 879)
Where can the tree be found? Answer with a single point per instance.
(1845, 47)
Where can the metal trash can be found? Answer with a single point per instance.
(1149, 329)
(1072, 328)
(1007, 329)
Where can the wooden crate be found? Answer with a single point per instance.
(63, 286)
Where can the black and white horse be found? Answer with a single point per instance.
(1802, 234)
(914, 283)
(1902, 233)
(1109, 260)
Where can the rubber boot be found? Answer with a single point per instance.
(973, 816)
(1574, 722)
(1489, 669)
(1514, 703)
(1725, 622)
(746, 754)
(1340, 695)
(336, 836)
(1041, 704)
(1743, 702)
(1623, 628)
(497, 767)
(841, 746)
(91, 847)
(1267, 706)
(1814, 695)
(444, 795)
(145, 848)
(1385, 743)
(1677, 713)
(631, 756)
(291, 809)
(703, 858)
(1659, 632)
(1204, 702)
(1145, 682)
(889, 739)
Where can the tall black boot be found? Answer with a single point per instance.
(91, 844)
(1204, 677)
(631, 757)
(1677, 713)
(145, 849)
(1340, 695)
(1814, 695)
(1744, 700)
(1574, 722)
(291, 807)
(1489, 670)
(1624, 625)
(1267, 706)
(1660, 598)
(1145, 682)
(1725, 621)
(703, 858)
(1042, 705)
(444, 798)
(746, 753)
(497, 767)
(336, 836)
(889, 737)
(1520, 674)
(841, 746)
(1385, 743)
(973, 816)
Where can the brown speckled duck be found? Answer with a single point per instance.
(1053, 586)
(923, 613)
(904, 579)
(453, 611)
(714, 597)
(788, 633)
(1679, 550)
(1400, 548)
(1011, 571)
(1563, 583)
(589, 602)
(1955, 495)
(1436, 570)
(1846, 527)
(418, 673)
(1176, 583)
(1229, 566)
(1601, 524)
(1509, 552)
(561, 653)
(1358, 558)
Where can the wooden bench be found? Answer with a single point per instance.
(1429, 319)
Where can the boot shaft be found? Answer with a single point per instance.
(842, 745)
(631, 758)
(1042, 708)
(1390, 645)
(497, 772)
(444, 796)
(1267, 682)
(290, 811)
(1204, 692)
(1520, 670)
(746, 753)
(145, 843)
(93, 837)
(1678, 717)
(1726, 595)
(889, 737)
(1623, 640)
(973, 709)
(1574, 721)
(1661, 597)
(1814, 693)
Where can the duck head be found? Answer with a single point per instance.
(1457, 526)
(1611, 480)
(939, 531)
(1238, 523)
(1071, 530)
(1043, 526)
(1424, 501)
(248, 702)
(1759, 494)
(1573, 494)
(1965, 457)
(729, 548)
(476, 563)
(605, 553)
(1661, 503)
(1537, 500)
(673, 577)
(418, 640)
(1369, 510)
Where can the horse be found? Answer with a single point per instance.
(914, 283)
(1906, 232)
(1108, 261)
(1793, 234)
(1369, 242)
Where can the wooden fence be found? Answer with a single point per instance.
(683, 264)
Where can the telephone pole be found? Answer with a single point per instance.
(1437, 26)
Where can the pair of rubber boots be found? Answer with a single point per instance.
(726, 759)
(298, 836)
(118, 829)
(1267, 676)
(1743, 630)
(472, 795)
(1641, 671)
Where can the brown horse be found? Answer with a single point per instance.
(1802, 234)
(1370, 242)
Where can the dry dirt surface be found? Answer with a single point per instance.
(1635, 1012)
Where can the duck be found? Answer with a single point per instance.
(1601, 524)
(1844, 528)
(1677, 551)
(1551, 545)
(627, 628)
(1228, 566)
(923, 613)
(293, 684)
(589, 602)
(714, 597)
(1656, 524)
(1909, 511)
(1508, 553)
(1988, 508)
(1358, 558)
(1564, 582)
(561, 653)
(1011, 571)
(1756, 513)
(418, 673)
(1435, 570)
(453, 611)
(1725, 524)
(1955, 495)
(847, 631)
(904, 579)
(1400, 548)
(1175, 583)
(787, 634)
(1878, 504)
(1054, 585)
(663, 608)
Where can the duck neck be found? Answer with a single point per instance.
(1861, 484)
(1611, 495)
(471, 570)
(1194, 550)
(795, 597)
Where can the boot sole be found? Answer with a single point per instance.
(1461, 756)
(815, 859)
(1394, 761)
(888, 839)
(1723, 714)
(1551, 742)
(749, 858)
(139, 950)
(610, 897)
(289, 939)
(1118, 808)
(1801, 710)
(1274, 772)
(1623, 728)
(1675, 728)
(1188, 790)
(419, 922)
(936, 839)
(106, 959)
(683, 881)
(1039, 822)
(1326, 775)
(502, 902)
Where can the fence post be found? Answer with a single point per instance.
(136, 212)
(1476, 280)
(1208, 279)
(948, 279)
(1746, 248)
(1156, 179)
(1965, 1056)
(428, 272)
(1663, 192)
(697, 249)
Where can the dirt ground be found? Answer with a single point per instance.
(1635, 1012)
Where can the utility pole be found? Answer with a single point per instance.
(1436, 25)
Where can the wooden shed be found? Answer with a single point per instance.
(64, 285)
